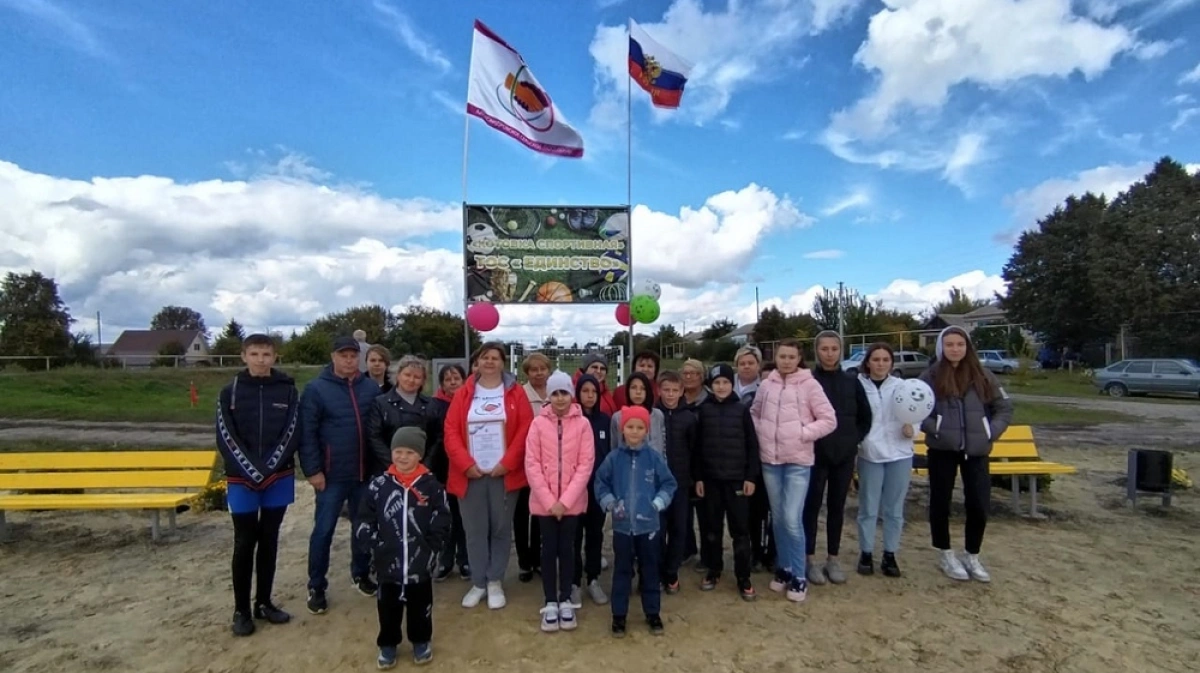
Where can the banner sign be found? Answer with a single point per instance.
(555, 254)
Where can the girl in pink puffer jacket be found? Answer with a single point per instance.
(560, 452)
(790, 413)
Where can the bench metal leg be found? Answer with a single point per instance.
(1016, 494)
(3, 528)
(155, 532)
(1033, 505)
(171, 519)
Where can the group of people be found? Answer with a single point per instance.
(435, 484)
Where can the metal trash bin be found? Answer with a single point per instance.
(1149, 471)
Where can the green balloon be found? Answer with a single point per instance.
(644, 309)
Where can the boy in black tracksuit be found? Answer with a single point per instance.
(681, 450)
(729, 468)
(405, 520)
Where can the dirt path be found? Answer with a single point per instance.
(1163, 426)
(94, 433)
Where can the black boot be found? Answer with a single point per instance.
(866, 564)
(889, 566)
(243, 625)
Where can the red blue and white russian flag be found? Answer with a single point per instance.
(658, 70)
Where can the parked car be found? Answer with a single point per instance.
(908, 364)
(998, 362)
(1145, 376)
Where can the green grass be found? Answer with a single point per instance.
(1045, 413)
(159, 394)
(1065, 384)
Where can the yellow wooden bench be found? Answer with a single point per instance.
(155, 481)
(1014, 455)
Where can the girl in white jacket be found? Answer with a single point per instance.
(884, 465)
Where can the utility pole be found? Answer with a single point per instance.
(841, 309)
(99, 339)
(757, 313)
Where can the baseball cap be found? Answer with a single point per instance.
(345, 344)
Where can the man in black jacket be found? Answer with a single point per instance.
(256, 435)
(835, 456)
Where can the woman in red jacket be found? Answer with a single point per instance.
(486, 428)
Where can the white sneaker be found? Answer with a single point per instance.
(975, 568)
(495, 595)
(596, 593)
(473, 597)
(576, 596)
(566, 617)
(550, 619)
(952, 567)
(603, 563)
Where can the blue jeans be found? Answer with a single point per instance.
(787, 487)
(642, 552)
(325, 519)
(881, 491)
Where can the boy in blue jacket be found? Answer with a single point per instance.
(635, 486)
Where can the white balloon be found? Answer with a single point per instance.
(913, 401)
(647, 287)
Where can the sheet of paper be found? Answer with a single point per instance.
(487, 444)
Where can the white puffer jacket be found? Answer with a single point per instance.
(886, 442)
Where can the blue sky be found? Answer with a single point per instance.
(274, 165)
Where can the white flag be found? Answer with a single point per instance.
(505, 94)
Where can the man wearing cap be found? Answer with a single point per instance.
(336, 459)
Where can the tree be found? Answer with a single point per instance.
(959, 303)
(771, 326)
(375, 320)
(171, 352)
(33, 318)
(859, 314)
(429, 332)
(230, 341)
(719, 329)
(312, 347)
(663, 339)
(178, 318)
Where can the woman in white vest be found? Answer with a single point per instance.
(884, 465)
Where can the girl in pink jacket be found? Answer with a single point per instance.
(559, 455)
(790, 413)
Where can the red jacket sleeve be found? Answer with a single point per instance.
(455, 429)
(520, 418)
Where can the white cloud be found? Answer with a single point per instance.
(715, 242)
(733, 48)
(1181, 99)
(920, 51)
(855, 199)
(1192, 169)
(825, 254)
(277, 252)
(793, 135)
(828, 13)
(1191, 77)
(280, 162)
(401, 25)
(68, 26)
(1184, 117)
(1148, 51)
(911, 295)
(1030, 205)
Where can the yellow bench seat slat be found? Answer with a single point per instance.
(108, 460)
(1029, 467)
(1014, 433)
(29, 481)
(92, 501)
(1000, 451)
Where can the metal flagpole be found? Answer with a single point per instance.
(466, 149)
(629, 192)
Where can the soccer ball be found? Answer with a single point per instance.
(648, 287)
(480, 237)
(616, 226)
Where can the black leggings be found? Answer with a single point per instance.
(834, 481)
(944, 467)
(527, 533)
(250, 531)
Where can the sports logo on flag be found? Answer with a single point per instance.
(659, 71)
(504, 93)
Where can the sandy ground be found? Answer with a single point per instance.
(96, 433)
(1095, 587)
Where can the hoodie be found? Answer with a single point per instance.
(658, 428)
(607, 404)
(257, 423)
(601, 422)
(965, 424)
(853, 410)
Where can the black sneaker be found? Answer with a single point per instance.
(656, 625)
(243, 625)
(365, 586)
(889, 566)
(746, 590)
(268, 611)
(866, 564)
(442, 574)
(526, 576)
(618, 627)
(710, 582)
(422, 653)
(464, 572)
(317, 603)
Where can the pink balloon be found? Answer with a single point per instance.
(623, 317)
(483, 316)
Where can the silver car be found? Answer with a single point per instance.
(1149, 375)
(907, 364)
(998, 362)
